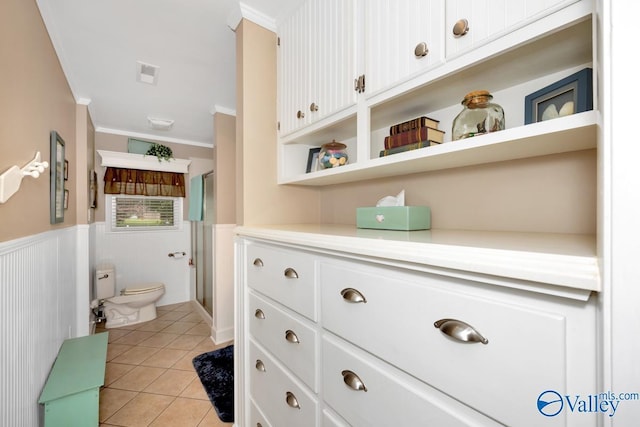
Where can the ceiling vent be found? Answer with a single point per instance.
(160, 124)
(147, 73)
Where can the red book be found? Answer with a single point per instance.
(412, 136)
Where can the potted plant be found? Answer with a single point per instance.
(162, 152)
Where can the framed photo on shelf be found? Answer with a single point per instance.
(312, 159)
(573, 94)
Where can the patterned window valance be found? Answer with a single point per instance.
(143, 182)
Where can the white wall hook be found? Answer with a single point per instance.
(10, 180)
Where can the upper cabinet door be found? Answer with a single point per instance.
(471, 23)
(402, 38)
(317, 62)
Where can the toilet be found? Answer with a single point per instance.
(133, 305)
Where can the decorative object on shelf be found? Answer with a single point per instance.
(416, 123)
(162, 152)
(11, 179)
(478, 116)
(412, 136)
(138, 146)
(56, 200)
(66, 170)
(573, 94)
(409, 147)
(333, 154)
(312, 159)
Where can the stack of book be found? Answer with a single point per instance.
(413, 134)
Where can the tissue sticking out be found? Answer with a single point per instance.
(392, 200)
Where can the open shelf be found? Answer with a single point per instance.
(572, 133)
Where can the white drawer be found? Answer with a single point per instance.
(392, 398)
(287, 337)
(283, 399)
(284, 275)
(256, 417)
(525, 354)
(330, 419)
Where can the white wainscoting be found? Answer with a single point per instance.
(142, 257)
(38, 311)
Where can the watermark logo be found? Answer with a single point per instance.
(550, 403)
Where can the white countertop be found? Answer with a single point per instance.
(564, 260)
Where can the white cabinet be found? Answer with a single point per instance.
(471, 23)
(316, 62)
(399, 342)
(402, 38)
(508, 46)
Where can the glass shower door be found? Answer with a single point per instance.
(203, 250)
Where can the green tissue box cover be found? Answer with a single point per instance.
(394, 218)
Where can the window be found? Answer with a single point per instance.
(131, 213)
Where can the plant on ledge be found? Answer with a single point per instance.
(162, 152)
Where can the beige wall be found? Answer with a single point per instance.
(260, 200)
(112, 142)
(35, 99)
(224, 155)
(544, 194)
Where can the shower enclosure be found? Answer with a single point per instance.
(202, 248)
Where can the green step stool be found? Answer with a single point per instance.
(71, 394)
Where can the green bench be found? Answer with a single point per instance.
(71, 394)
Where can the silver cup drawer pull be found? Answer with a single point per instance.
(260, 366)
(353, 381)
(258, 262)
(459, 330)
(259, 314)
(353, 296)
(291, 337)
(290, 273)
(292, 401)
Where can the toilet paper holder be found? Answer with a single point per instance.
(176, 254)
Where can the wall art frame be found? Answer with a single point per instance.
(312, 159)
(570, 95)
(56, 196)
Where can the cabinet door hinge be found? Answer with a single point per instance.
(359, 84)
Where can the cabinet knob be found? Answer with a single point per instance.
(259, 314)
(421, 50)
(353, 296)
(459, 330)
(353, 381)
(300, 114)
(313, 107)
(292, 401)
(290, 273)
(258, 262)
(460, 28)
(260, 366)
(291, 337)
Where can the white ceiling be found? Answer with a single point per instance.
(191, 41)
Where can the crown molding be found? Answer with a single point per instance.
(153, 137)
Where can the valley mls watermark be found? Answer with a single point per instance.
(551, 403)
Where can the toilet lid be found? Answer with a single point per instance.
(148, 287)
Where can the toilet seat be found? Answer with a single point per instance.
(148, 287)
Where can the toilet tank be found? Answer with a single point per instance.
(105, 281)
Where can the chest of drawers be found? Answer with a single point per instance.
(353, 340)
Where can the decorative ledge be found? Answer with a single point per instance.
(140, 161)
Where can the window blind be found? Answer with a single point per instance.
(145, 213)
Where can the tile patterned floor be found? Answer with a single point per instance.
(150, 380)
